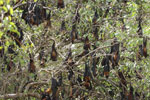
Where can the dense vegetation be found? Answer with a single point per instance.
(74, 49)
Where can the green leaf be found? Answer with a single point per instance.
(5, 9)
(1, 2)
(11, 10)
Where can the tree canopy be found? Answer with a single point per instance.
(74, 49)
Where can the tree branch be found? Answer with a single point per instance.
(19, 95)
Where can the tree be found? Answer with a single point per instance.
(88, 49)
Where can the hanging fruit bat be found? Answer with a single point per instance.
(105, 63)
(48, 20)
(19, 39)
(106, 12)
(73, 33)
(70, 74)
(54, 53)
(60, 4)
(95, 33)
(122, 78)
(94, 53)
(10, 65)
(10, 49)
(144, 47)
(37, 16)
(140, 52)
(115, 59)
(21, 34)
(54, 88)
(115, 53)
(33, 14)
(60, 82)
(63, 27)
(95, 18)
(2, 49)
(140, 31)
(125, 1)
(25, 11)
(86, 43)
(115, 46)
(32, 66)
(77, 16)
(69, 60)
(41, 56)
(130, 95)
(94, 63)
(87, 77)
(79, 80)
(43, 12)
(45, 95)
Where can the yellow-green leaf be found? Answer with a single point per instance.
(11, 10)
(1, 2)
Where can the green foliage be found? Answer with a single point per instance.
(121, 21)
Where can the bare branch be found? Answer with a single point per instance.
(19, 95)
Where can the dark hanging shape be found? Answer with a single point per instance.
(33, 14)
(140, 51)
(106, 12)
(54, 53)
(43, 11)
(32, 66)
(25, 11)
(95, 18)
(115, 53)
(125, 1)
(10, 49)
(130, 95)
(19, 39)
(10, 65)
(48, 20)
(69, 60)
(140, 31)
(87, 77)
(105, 63)
(45, 95)
(94, 63)
(77, 17)
(70, 74)
(115, 59)
(115, 46)
(2, 49)
(73, 33)
(63, 27)
(95, 33)
(60, 79)
(16, 37)
(122, 78)
(86, 43)
(54, 88)
(60, 4)
(37, 16)
(41, 56)
(79, 80)
(21, 34)
(144, 47)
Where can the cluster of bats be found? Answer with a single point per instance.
(33, 14)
